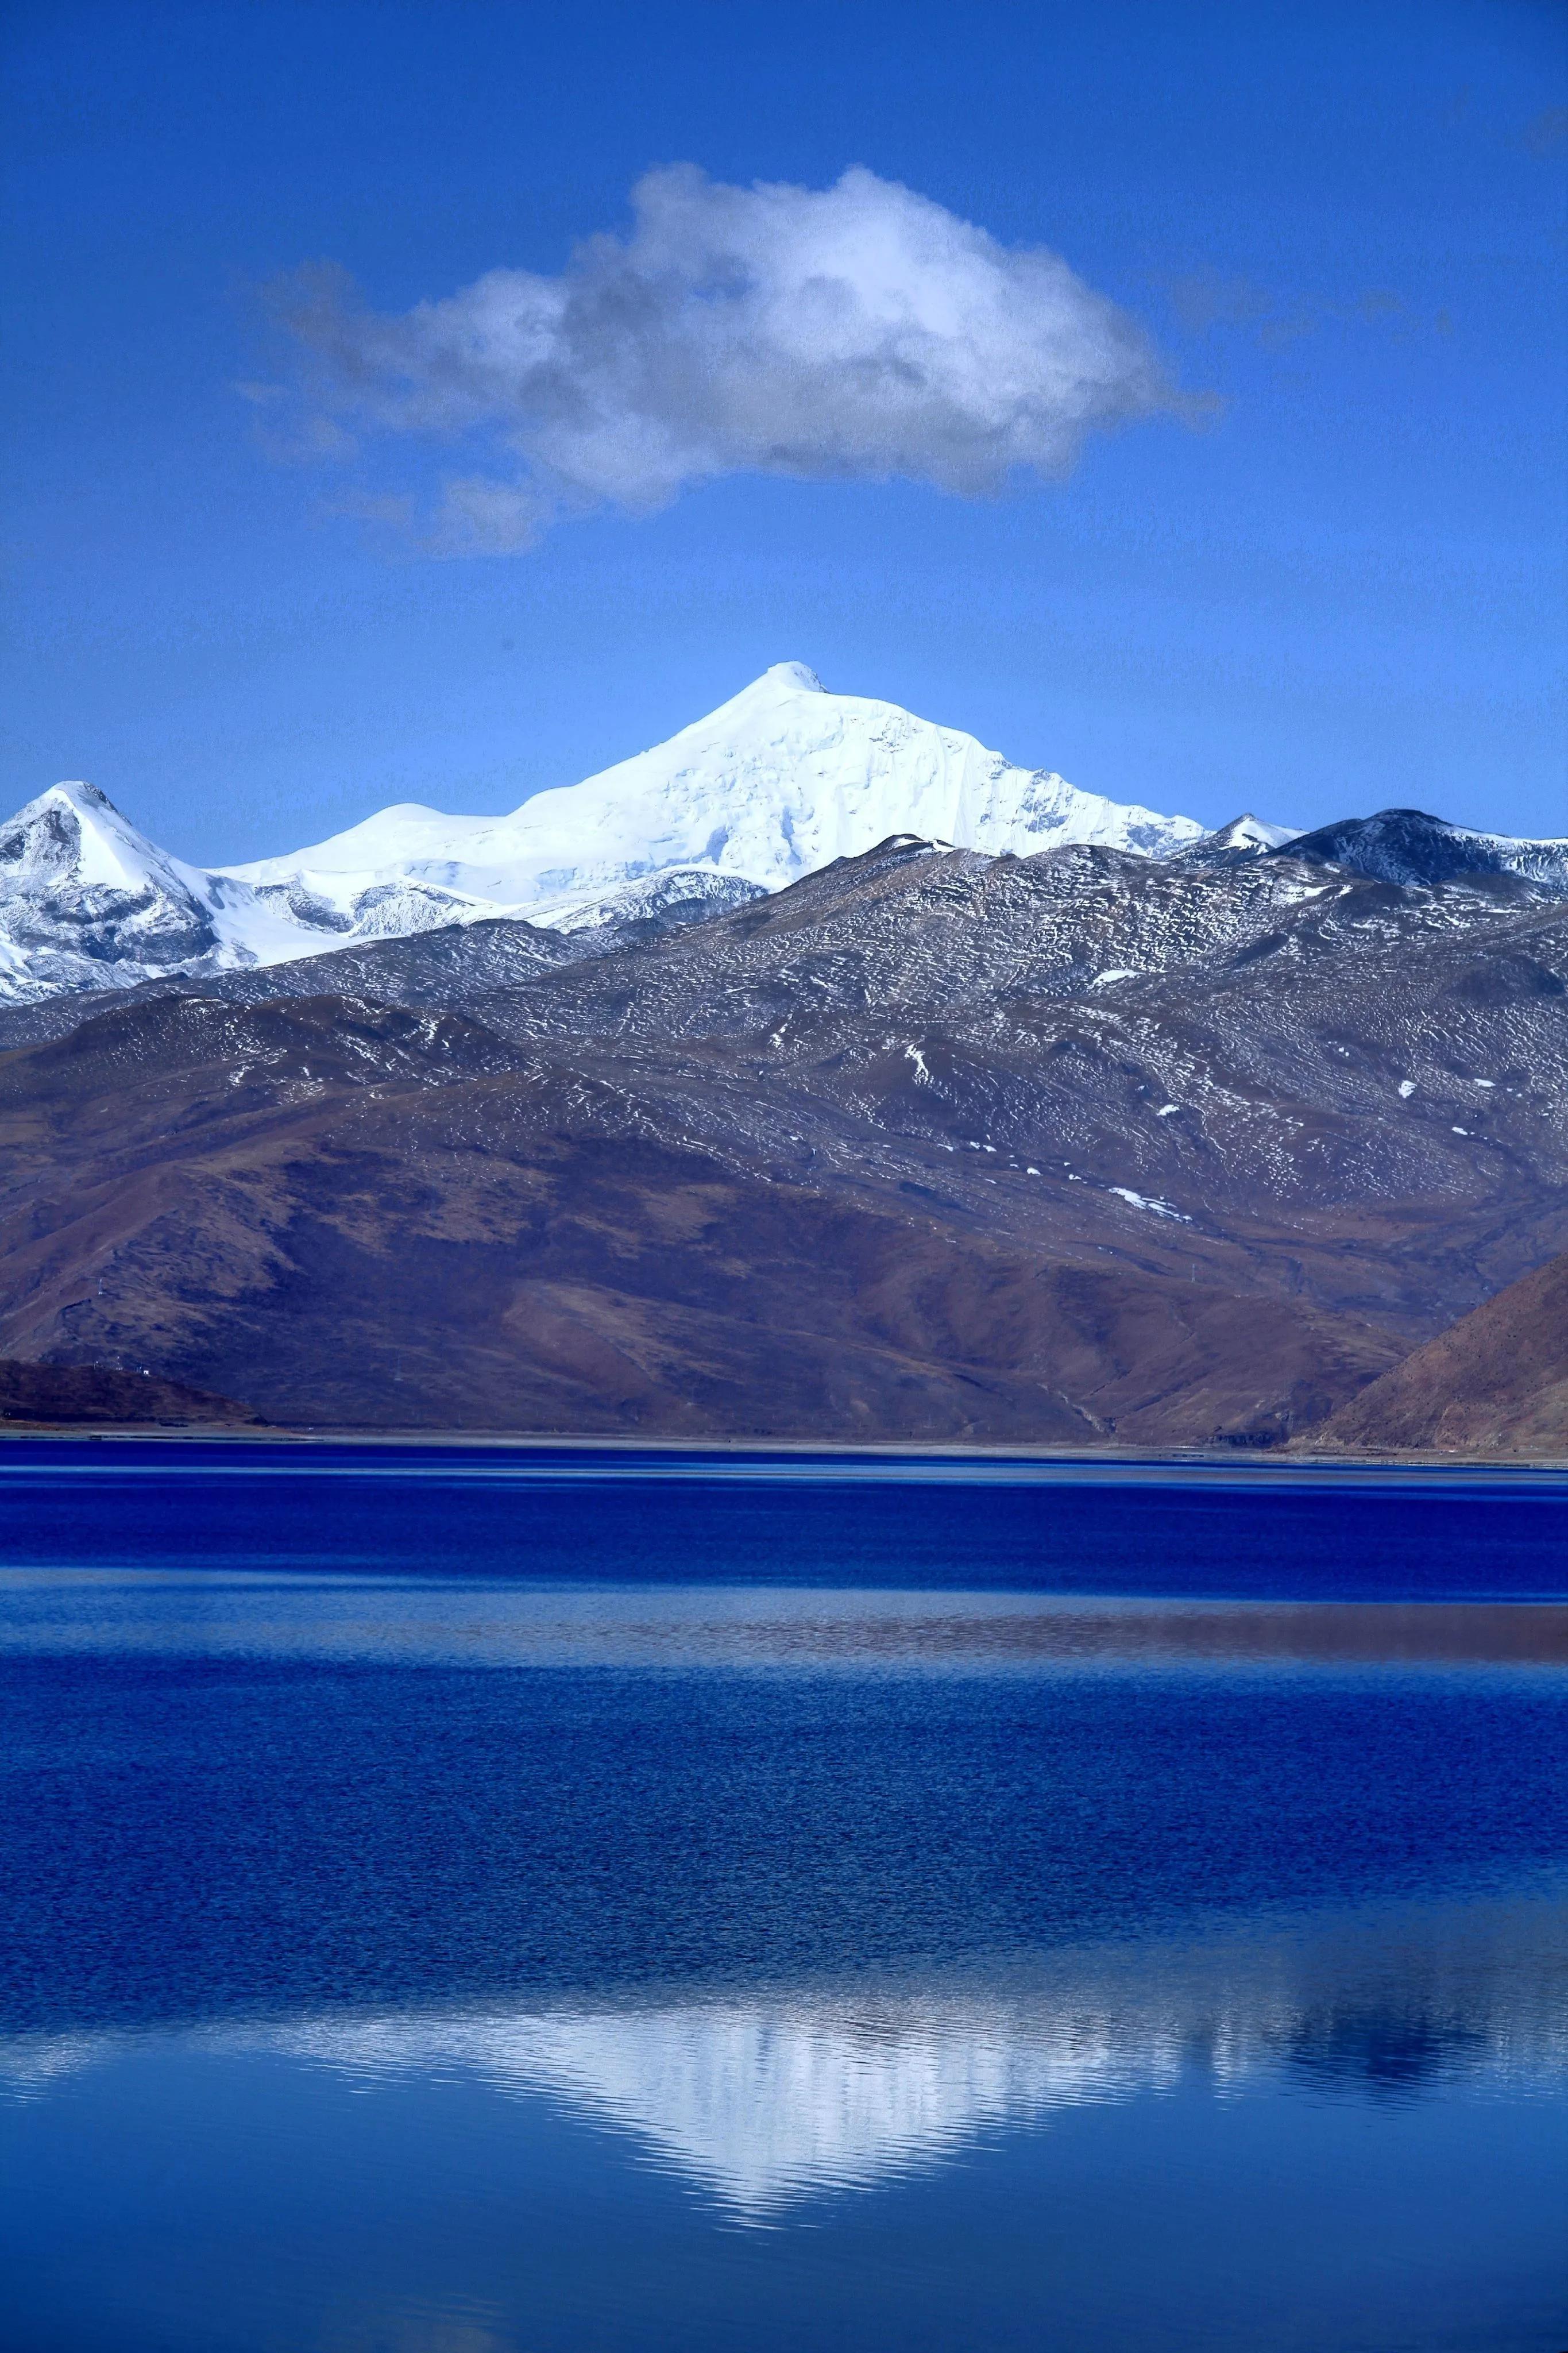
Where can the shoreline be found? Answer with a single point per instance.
(1244, 1461)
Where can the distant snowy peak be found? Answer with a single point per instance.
(87, 902)
(1230, 845)
(72, 851)
(777, 782)
(83, 896)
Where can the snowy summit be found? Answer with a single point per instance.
(777, 782)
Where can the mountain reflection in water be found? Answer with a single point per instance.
(875, 1920)
(762, 2099)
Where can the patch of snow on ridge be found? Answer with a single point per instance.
(654, 895)
(1143, 1201)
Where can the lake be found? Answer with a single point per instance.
(473, 1901)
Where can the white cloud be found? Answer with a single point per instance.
(859, 332)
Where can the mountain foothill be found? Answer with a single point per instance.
(818, 1076)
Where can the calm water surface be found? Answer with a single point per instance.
(453, 1904)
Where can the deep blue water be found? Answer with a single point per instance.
(463, 1903)
(737, 1519)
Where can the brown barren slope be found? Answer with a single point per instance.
(95, 1393)
(1495, 1383)
(352, 1215)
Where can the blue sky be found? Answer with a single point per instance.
(1332, 581)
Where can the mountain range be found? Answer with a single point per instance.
(839, 1080)
(781, 780)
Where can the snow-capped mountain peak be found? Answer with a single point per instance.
(87, 901)
(79, 883)
(1244, 838)
(75, 835)
(791, 674)
(1250, 833)
(780, 779)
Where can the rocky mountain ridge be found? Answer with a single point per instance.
(1084, 1147)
